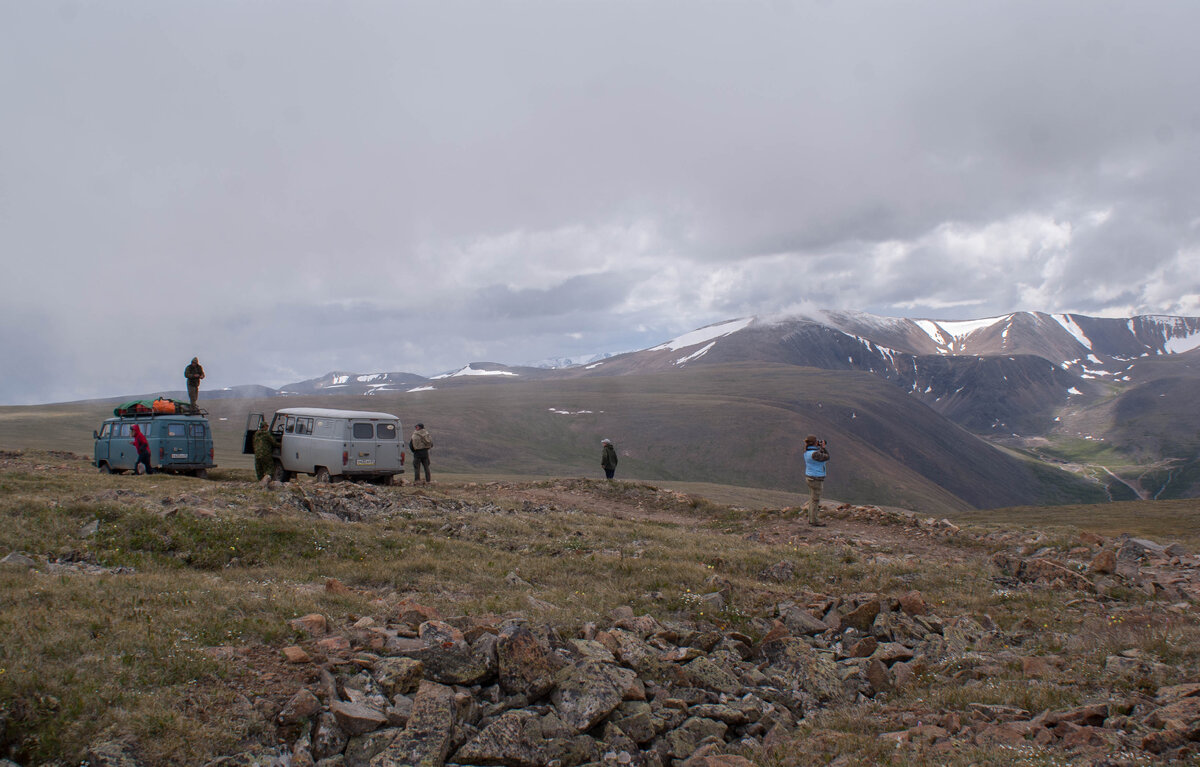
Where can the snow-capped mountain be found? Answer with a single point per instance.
(1000, 375)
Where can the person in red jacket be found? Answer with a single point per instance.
(142, 445)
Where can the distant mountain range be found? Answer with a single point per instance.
(1027, 408)
(1110, 397)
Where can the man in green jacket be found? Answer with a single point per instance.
(265, 445)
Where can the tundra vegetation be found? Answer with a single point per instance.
(163, 616)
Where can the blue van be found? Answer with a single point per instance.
(179, 444)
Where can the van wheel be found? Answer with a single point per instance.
(105, 469)
(280, 474)
(323, 475)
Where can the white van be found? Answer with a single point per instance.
(332, 444)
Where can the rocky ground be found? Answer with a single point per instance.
(407, 685)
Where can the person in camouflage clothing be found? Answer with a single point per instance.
(264, 445)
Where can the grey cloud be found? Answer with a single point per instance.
(362, 185)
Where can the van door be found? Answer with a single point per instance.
(102, 443)
(121, 454)
(253, 421)
(197, 443)
(389, 449)
(173, 443)
(363, 446)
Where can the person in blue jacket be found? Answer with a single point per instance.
(815, 458)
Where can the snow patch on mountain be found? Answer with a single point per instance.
(703, 335)
(470, 371)
(695, 355)
(949, 335)
(1069, 325)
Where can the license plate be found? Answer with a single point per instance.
(179, 455)
(366, 461)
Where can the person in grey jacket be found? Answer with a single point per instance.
(608, 458)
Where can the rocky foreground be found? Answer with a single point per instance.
(408, 686)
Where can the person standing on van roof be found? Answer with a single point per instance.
(265, 446)
(420, 444)
(608, 458)
(142, 445)
(193, 373)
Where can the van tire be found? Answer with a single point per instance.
(280, 474)
(322, 475)
(105, 468)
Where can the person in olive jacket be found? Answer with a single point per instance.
(265, 446)
(608, 458)
(193, 373)
(421, 442)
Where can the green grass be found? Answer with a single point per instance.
(1166, 521)
(165, 652)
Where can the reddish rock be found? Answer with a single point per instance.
(1184, 713)
(334, 644)
(1085, 737)
(864, 647)
(439, 632)
(1004, 733)
(296, 654)
(356, 718)
(414, 614)
(334, 586)
(313, 624)
(862, 616)
(912, 603)
(880, 678)
(1093, 715)
(1104, 563)
(1043, 736)
(777, 631)
(1159, 742)
(1035, 668)
(299, 708)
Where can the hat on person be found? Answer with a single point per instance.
(420, 426)
(606, 442)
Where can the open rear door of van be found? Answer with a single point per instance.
(253, 421)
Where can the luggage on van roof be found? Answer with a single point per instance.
(153, 407)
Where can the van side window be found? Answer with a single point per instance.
(385, 430)
(304, 425)
(124, 430)
(290, 428)
(176, 430)
(104, 430)
(364, 431)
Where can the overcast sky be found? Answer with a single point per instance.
(288, 188)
